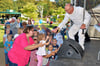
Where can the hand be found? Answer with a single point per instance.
(98, 24)
(66, 28)
(65, 32)
(55, 30)
(53, 53)
(41, 45)
(5, 48)
(35, 60)
(56, 51)
(50, 38)
(68, 25)
(83, 26)
(47, 37)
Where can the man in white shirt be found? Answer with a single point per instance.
(13, 26)
(76, 15)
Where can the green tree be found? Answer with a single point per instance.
(30, 10)
(61, 3)
(58, 11)
(6, 4)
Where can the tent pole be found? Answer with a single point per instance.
(84, 14)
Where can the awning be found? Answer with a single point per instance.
(10, 12)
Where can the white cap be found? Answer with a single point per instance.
(14, 18)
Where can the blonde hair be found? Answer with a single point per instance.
(40, 36)
(19, 30)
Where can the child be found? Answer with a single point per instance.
(54, 43)
(8, 27)
(47, 59)
(33, 57)
(68, 27)
(7, 47)
(35, 32)
(5, 35)
(59, 38)
(42, 50)
(20, 31)
(50, 55)
(50, 49)
(55, 47)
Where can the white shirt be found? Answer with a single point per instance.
(41, 50)
(76, 17)
(16, 35)
(5, 36)
(59, 39)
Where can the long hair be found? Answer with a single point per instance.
(27, 29)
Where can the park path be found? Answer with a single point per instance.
(2, 57)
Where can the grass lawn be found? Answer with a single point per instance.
(1, 36)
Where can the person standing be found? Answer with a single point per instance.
(20, 52)
(7, 46)
(19, 24)
(76, 15)
(13, 26)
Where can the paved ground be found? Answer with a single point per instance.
(2, 57)
(89, 59)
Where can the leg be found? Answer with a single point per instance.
(40, 59)
(81, 38)
(73, 30)
(67, 34)
(6, 59)
(12, 64)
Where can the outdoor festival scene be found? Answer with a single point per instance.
(49, 32)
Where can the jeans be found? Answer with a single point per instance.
(6, 58)
(62, 33)
(67, 34)
(12, 64)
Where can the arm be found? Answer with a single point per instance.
(48, 41)
(87, 19)
(4, 40)
(49, 55)
(34, 46)
(47, 38)
(66, 18)
(5, 46)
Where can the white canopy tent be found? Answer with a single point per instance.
(92, 31)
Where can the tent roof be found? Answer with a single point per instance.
(96, 9)
(10, 12)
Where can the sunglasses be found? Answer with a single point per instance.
(34, 39)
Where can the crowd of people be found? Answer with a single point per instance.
(28, 43)
(38, 44)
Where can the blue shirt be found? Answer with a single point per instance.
(8, 47)
(55, 47)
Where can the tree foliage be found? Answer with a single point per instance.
(30, 10)
(30, 7)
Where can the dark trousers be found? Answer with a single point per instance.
(12, 64)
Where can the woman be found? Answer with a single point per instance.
(30, 23)
(19, 54)
(24, 25)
